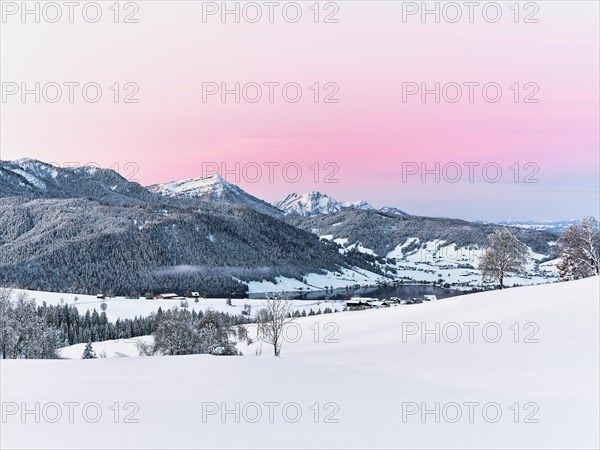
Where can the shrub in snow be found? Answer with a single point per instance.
(180, 332)
(88, 352)
(144, 349)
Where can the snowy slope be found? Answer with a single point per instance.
(362, 372)
(116, 348)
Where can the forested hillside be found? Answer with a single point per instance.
(81, 245)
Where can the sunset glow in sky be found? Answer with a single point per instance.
(548, 151)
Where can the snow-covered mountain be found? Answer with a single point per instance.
(212, 189)
(392, 210)
(315, 204)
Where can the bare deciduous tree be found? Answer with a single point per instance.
(506, 254)
(579, 247)
(272, 320)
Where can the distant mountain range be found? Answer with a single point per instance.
(87, 230)
(556, 226)
(214, 189)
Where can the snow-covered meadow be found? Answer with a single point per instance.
(128, 308)
(503, 369)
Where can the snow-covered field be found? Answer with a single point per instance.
(365, 379)
(116, 348)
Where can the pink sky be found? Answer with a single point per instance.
(369, 133)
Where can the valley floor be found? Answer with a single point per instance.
(505, 369)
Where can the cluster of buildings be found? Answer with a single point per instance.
(353, 303)
(366, 302)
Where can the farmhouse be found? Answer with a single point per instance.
(355, 303)
(169, 296)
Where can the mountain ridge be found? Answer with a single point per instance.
(34, 178)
